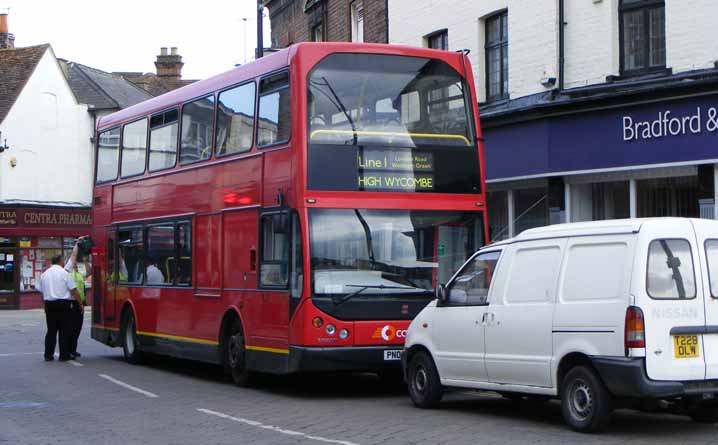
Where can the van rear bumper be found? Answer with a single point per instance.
(627, 377)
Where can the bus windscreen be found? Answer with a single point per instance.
(390, 123)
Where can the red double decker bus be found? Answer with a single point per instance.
(293, 214)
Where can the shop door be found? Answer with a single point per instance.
(8, 277)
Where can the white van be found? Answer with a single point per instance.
(601, 315)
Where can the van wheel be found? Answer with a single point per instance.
(425, 387)
(236, 356)
(130, 342)
(585, 402)
(704, 413)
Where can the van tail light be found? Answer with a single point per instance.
(635, 336)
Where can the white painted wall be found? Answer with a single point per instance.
(592, 37)
(49, 135)
(691, 35)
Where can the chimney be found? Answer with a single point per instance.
(169, 66)
(7, 40)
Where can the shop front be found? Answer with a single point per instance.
(29, 238)
(658, 157)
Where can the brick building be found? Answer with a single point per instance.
(168, 77)
(327, 20)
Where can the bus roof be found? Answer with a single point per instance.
(267, 64)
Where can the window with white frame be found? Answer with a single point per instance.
(357, 19)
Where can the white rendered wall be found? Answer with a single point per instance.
(691, 34)
(592, 49)
(49, 136)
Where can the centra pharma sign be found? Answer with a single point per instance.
(667, 123)
(34, 217)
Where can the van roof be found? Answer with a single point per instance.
(608, 227)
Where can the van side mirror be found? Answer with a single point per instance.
(442, 293)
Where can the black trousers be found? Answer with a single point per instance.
(78, 316)
(59, 321)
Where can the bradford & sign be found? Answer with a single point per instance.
(395, 170)
(667, 124)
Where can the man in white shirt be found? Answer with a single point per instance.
(154, 274)
(59, 295)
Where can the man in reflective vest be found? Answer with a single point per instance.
(78, 313)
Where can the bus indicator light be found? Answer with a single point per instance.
(317, 322)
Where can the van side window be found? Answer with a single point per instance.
(595, 271)
(671, 274)
(471, 286)
(712, 260)
(533, 275)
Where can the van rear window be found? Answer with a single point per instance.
(712, 259)
(671, 274)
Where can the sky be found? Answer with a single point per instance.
(127, 35)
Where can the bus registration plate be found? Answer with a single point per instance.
(392, 354)
(686, 346)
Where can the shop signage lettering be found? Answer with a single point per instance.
(667, 124)
(8, 218)
(62, 218)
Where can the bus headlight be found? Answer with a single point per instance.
(330, 330)
(343, 334)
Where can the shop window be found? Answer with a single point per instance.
(498, 204)
(530, 209)
(643, 35)
(35, 255)
(275, 250)
(497, 56)
(197, 124)
(161, 256)
(600, 201)
(134, 148)
(274, 114)
(235, 119)
(668, 197)
(163, 140)
(108, 155)
(131, 256)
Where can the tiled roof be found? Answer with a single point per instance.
(154, 84)
(16, 67)
(102, 90)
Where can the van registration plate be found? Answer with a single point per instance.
(686, 346)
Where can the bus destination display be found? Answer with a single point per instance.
(396, 170)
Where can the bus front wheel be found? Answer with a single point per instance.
(236, 355)
(130, 342)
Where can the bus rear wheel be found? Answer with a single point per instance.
(236, 355)
(130, 342)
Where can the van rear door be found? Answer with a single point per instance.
(707, 234)
(672, 300)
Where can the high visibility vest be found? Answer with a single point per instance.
(79, 284)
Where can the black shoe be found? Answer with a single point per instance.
(65, 359)
(76, 354)
(49, 359)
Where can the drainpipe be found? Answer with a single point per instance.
(260, 31)
(561, 40)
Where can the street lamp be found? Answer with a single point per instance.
(4, 145)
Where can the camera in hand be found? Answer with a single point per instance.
(84, 246)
